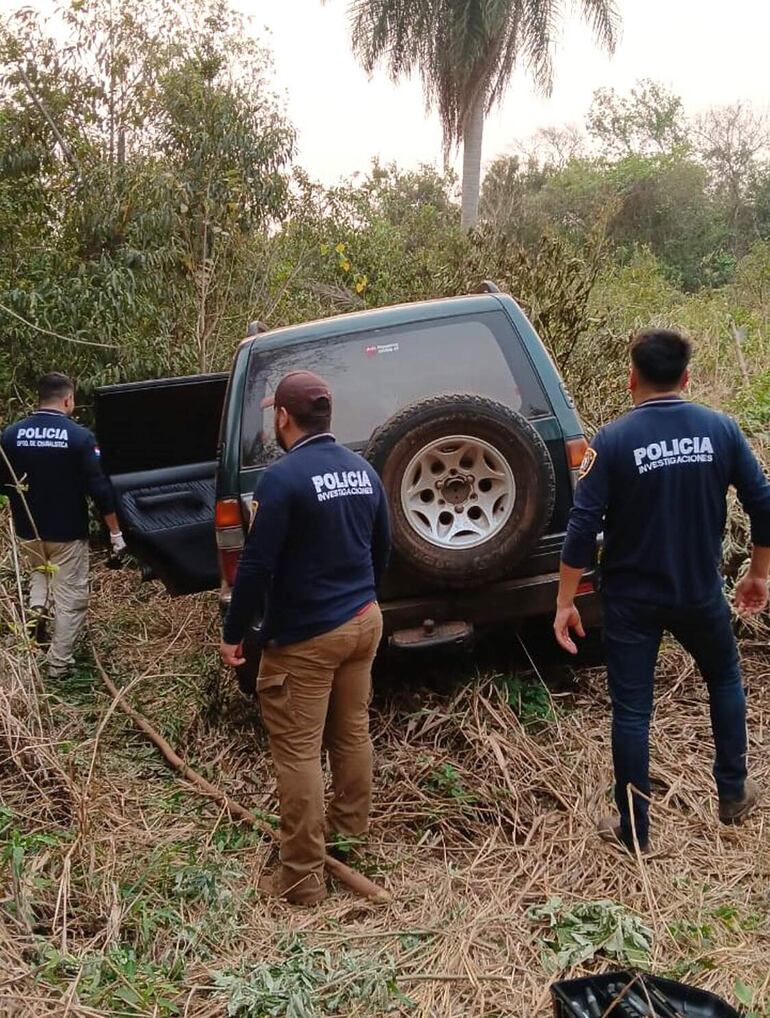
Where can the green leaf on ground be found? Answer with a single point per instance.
(577, 932)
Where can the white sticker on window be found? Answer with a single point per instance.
(374, 349)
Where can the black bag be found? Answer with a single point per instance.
(635, 995)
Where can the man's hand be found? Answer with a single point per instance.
(117, 543)
(232, 654)
(567, 618)
(751, 595)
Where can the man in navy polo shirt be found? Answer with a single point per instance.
(317, 547)
(49, 465)
(656, 481)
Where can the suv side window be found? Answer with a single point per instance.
(373, 374)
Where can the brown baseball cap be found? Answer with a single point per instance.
(303, 394)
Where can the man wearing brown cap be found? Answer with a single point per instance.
(318, 545)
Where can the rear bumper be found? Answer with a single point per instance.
(493, 605)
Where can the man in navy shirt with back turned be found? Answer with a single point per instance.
(656, 480)
(49, 465)
(318, 545)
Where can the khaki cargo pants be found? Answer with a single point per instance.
(315, 695)
(59, 583)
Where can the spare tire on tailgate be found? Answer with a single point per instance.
(470, 485)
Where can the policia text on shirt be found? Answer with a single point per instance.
(656, 482)
(317, 547)
(49, 465)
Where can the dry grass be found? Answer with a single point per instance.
(123, 892)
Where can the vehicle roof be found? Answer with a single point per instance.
(382, 318)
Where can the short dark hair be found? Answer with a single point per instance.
(660, 356)
(54, 385)
(314, 424)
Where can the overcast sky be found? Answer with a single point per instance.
(707, 52)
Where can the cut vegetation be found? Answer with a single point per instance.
(124, 892)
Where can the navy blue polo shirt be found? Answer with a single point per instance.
(318, 544)
(56, 462)
(656, 482)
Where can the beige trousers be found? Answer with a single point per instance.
(59, 582)
(316, 694)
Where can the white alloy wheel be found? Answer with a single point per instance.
(458, 492)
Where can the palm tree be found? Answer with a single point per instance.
(465, 52)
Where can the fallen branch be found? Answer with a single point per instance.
(351, 878)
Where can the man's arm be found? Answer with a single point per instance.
(751, 591)
(264, 544)
(117, 543)
(99, 488)
(381, 539)
(98, 485)
(585, 522)
(753, 490)
(567, 616)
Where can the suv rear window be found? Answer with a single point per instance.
(373, 374)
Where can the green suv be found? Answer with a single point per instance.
(456, 404)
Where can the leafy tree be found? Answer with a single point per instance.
(465, 53)
(649, 121)
(135, 254)
(731, 141)
(663, 203)
(555, 147)
(572, 199)
(650, 181)
(510, 197)
(118, 52)
(370, 241)
(759, 201)
(225, 145)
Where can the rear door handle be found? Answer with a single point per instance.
(169, 498)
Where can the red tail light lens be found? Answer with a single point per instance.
(228, 522)
(576, 450)
(227, 513)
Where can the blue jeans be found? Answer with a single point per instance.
(632, 633)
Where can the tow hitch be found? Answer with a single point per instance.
(433, 634)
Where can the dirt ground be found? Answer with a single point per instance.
(124, 892)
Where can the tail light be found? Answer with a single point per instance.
(576, 450)
(228, 523)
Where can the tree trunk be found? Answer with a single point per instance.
(473, 132)
(43, 110)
